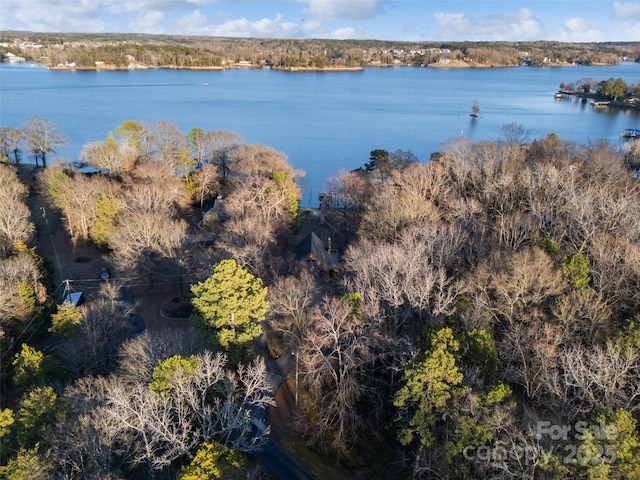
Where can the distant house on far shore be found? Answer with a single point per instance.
(12, 58)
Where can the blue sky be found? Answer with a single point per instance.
(403, 20)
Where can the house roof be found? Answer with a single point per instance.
(312, 246)
(73, 298)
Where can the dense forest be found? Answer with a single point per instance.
(474, 316)
(75, 50)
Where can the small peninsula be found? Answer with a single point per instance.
(611, 93)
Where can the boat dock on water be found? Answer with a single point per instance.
(630, 133)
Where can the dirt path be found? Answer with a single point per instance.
(81, 263)
(285, 431)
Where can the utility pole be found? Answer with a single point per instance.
(296, 353)
(67, 288)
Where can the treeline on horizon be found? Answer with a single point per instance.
(482, 319)
(118, 50)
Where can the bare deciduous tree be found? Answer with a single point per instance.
(21, 288)
(530, 354)
(152, 429)
(141, 241)
(164, 189)
(519, 286)
(440, 244)
(75, 196)
(290, 300)
(248, 241)
(105, 155)
(138, 356)
(514, 134)
(347, 196)
(207, 182)
(404, 277)
(405, 199)
(515, 230)
(78, 204)
(10, 139)
(615, 271)
(220, 144)
(584, 314)
(42, 137)
(169, 144)
(226, 404)
(336, 358)
(144, 427)
(392, 211)
(146, 234)
(93, 348)
(256, 210)
(258, 161)
(592, 376)
(15, 223)
(80, 445)
(545, 201)
(15, 217)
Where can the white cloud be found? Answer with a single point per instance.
(346, 33)
(313, 18)
(127, 6)
(263, 28)
(631, 31)
(626, 9)
(124, 6)
(345, 9)
(453, 21)
(57, 15)
(576, 29)
(147, 22)
(318, 29)
(313, 28)
(522, 25)
(192, 21)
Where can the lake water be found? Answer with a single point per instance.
(323, 121)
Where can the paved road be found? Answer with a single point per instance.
(134, 319)
(278, 464)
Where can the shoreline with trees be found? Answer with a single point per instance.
(123, 51)
(614, 92)
(481, 301)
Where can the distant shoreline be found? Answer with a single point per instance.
(119, 51)
(230, 67)
(443, 64)
(457, 64)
